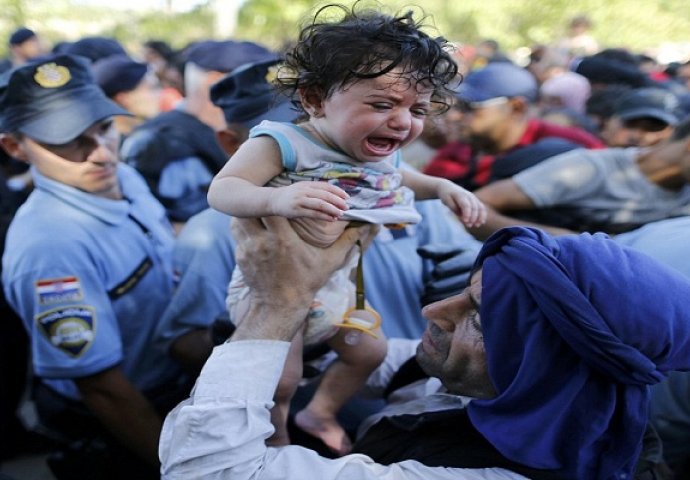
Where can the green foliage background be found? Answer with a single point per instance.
(640, 25)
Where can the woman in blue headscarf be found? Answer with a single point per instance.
(575, 330)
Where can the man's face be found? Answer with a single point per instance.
(88, 163)
(639, 132)
(144, 100)
(29, 49)
(484, 124)
(452, 347)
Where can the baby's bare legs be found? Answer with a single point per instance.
(343, 378)
(289, 381)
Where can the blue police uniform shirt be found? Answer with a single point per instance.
(203, 261)
(394, 273)
(90, 278)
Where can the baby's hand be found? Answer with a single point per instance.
(319, 200)
(465, 204)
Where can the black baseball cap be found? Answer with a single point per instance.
(118, 73)
(651, 102)
(95, 48)
(53, 100)
(226, 55)
(246, 96)
(21, 35)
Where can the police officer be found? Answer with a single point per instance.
(24, 45)
(87, 266)
(132, 86)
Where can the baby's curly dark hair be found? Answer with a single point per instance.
(363, 43)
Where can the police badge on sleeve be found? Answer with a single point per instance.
(70, 328)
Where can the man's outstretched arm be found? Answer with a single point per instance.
(501, 198)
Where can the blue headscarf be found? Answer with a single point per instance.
(575, 328)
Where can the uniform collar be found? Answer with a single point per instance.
(109, 211)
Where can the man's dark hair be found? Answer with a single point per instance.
(362, 44)
(162, 48)
(602, 102)
(618, 54)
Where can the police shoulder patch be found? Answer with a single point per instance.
(71, 328)
(58, 290)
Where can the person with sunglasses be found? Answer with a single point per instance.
(493, 118)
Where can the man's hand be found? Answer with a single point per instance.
(284, 273)
(318, 200)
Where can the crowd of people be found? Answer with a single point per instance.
(399, 259)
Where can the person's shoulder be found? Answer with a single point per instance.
(545, 129)
(270, 127)
(209, 216)
(207, 223)
(132, 182)
(611, 157)
(5, 65)
(659, 231)
(38, 228)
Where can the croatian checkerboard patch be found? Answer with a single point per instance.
(58, 290)
(71, 328)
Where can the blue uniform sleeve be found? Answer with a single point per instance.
(66, 308)
(204, 258)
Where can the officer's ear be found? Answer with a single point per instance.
(230, 139)
(11, 143)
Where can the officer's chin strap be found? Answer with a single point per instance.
(361, 317)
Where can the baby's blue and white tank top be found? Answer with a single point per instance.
(376, 193)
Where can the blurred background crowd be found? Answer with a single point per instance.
(538, 80)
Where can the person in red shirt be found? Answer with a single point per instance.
(493, 120)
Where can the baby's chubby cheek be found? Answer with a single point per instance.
(319, 233)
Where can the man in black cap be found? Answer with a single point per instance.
(176, 152)
(87, 266)
(642, 117)
(129, 84)
(24, 45)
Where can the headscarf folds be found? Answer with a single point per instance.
(576, 328)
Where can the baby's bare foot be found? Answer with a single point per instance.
(327, 429)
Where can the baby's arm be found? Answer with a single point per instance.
(238, 189)
(464, 203)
